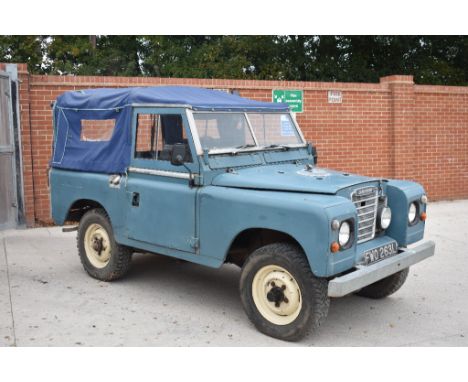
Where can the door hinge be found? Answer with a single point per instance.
(194, 242)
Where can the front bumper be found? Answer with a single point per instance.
(368, 274)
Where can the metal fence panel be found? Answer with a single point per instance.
(5, 130)
(7, 211)
(8, 202)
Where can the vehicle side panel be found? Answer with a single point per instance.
(226, 212)
(67, 187)
(165, 214)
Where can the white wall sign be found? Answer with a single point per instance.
(335, 96)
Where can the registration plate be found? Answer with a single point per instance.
(380, 253)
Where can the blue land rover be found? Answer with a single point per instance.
(210, 177)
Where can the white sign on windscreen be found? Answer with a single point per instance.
(286, 127)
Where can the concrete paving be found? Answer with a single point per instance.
(46, 298)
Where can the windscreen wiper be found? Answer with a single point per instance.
(247, 146)
(275, 146)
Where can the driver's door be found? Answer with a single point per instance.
(161, 203)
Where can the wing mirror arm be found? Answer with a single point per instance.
(312, 149)
(177, 159)
(191, 177)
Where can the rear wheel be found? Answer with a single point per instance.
(280, 295)
(386, 286)
(102, 257)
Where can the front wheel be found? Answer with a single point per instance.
(102, 257)
(280, 294)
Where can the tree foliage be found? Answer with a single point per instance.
(24, 49)
(431, 59)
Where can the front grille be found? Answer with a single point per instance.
(366, 201)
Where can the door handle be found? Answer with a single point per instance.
(136, 199)
(114, 181)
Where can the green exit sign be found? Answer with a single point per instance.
(294, 98)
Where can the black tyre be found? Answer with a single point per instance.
(102, 257)
(280, 295)
(386, 286)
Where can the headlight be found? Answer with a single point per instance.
(344, 234)
(412, 213)
(385, 217)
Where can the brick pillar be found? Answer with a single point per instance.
(26, 144)
(403, 125)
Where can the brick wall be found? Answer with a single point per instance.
(391, 129)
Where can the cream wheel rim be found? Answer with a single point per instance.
(97, 245)
(276, 295)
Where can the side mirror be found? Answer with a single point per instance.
(178, 154)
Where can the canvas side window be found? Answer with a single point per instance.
(96, 130)
(156, 135)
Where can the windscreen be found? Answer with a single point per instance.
(274, 129)
(223, 130)
(232, 130)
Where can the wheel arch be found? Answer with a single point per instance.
(79, 207)
(250, 239)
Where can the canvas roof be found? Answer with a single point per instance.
(193, 97)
